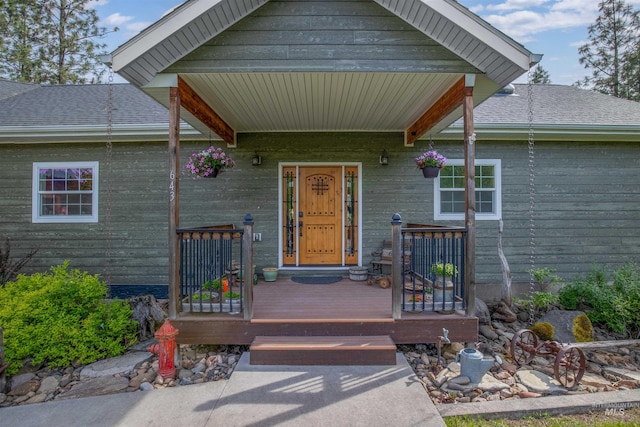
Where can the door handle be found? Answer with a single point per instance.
(300, 228)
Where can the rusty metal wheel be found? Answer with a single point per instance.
(569, 367)
(524, 346)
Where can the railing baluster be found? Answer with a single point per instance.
(207, 254)
(430, 245)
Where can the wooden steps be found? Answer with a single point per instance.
(323, 350)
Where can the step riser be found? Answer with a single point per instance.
(319, 357)
(323, 351)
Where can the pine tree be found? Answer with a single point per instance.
(19, 21)
(50, 41)
(540, 76)
(612, 51)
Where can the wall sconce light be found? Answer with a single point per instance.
(257, 160)
(384, 158)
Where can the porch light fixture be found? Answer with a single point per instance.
(384, 158)
(257, 160)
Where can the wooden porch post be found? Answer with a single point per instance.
(174, 199)
(470, 196)
(247, 275)
(397, 253)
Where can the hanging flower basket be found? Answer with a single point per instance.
(430, 171)
(430, 162)
(209, 163)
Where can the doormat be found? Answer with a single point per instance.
(316, 280)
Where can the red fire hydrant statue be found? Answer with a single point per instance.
(165, 349)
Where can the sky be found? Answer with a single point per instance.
(553, 28)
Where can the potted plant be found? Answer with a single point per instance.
(443, 285)
(430, 162)
(444, 270)
(211, 291)
(209, 163)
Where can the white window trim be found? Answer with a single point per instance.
(35, 193)
(497, 164)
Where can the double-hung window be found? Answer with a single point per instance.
(449, 190)
(65, 192)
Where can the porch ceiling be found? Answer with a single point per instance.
(316, 101)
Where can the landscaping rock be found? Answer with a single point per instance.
(623, 373)
(115, 365)
(482, 312)
(562, 322)
(504, 313)
(539, 382)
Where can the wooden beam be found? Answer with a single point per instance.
(451, 100)
(194, 104)
(470, 201)
(174, 201)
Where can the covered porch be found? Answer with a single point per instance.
(399, 71)
(220, 300)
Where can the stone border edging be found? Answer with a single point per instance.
(550, 405)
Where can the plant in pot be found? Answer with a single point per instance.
(430, 162)
(444, 273)
(211, 291)
(209, 163)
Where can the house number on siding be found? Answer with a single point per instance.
(172, 185)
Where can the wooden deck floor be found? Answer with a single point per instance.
(347, 299)
(287, 308)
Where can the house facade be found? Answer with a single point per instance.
(329, 86)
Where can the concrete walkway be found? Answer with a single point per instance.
(254, 396)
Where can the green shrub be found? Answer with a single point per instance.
(62, 317)
(615, 304)
(582, 328)
(544, 299)
(545, 278)
(544, 330)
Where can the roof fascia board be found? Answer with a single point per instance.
(472, 24)
(159, 31)
(168, 30)
(584, 132)
(484, 32)
(47, 134)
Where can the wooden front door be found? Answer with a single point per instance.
(320, 215)
(320, 227)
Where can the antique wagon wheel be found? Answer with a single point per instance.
(569, 366)
(524, 346)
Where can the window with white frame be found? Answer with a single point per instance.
(449, 190)
(65, 192)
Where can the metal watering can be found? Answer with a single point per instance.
(473, 364)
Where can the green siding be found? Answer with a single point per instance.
(586, 203)
(321, 36)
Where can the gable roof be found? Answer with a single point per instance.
(195, 22)
(335, 57)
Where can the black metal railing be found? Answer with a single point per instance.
(433, 268)
(210, 268)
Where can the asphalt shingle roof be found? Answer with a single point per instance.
(73, 105)
(9, 89)
(558, 104)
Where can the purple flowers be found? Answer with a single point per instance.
(431, 158)
(209, 162)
